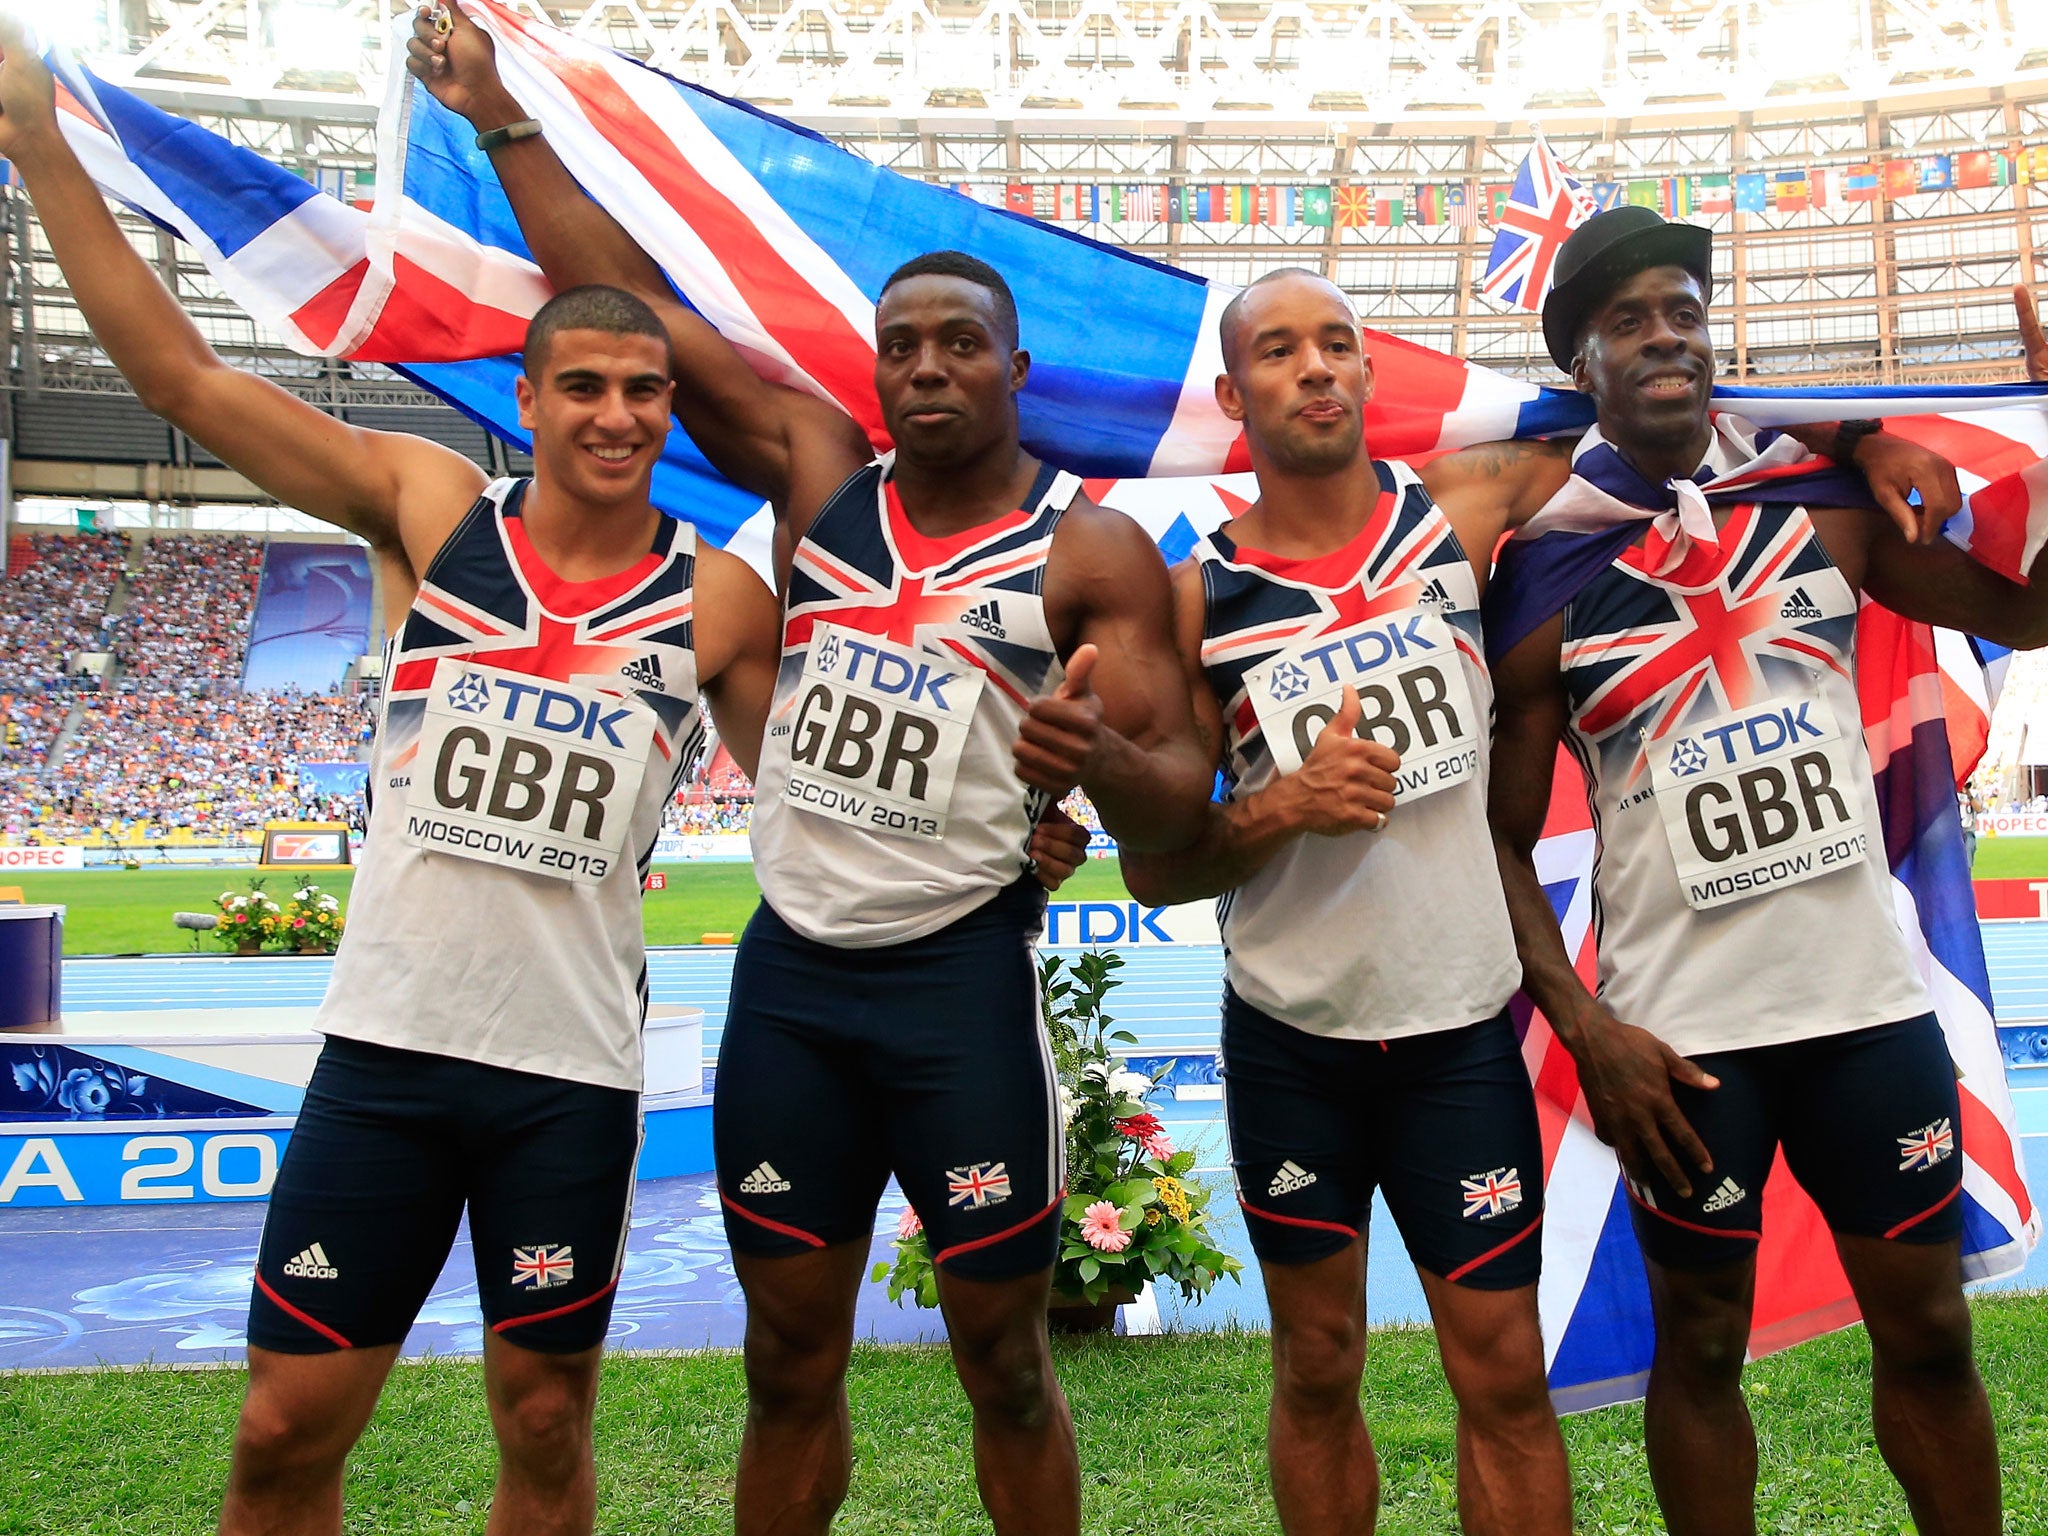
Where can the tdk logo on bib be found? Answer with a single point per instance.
(470, 694)
(1688, 758)
(1287, 683)
(537, 707)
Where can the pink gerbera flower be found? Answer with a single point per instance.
(1102, 1230)
(907, 1225)
(1158, 1145)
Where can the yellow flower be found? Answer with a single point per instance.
(1173, 1196)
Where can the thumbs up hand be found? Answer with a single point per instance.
(1345, 784)
(1060, 732)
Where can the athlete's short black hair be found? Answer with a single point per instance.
(969, 268)
(1233, 313)
(592, 307)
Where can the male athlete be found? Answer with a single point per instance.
(1332, 634)
(965, 634)
(1755, 989)
(551, 640)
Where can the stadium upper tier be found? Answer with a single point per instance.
(1361, 140)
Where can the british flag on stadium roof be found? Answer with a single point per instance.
(783, 240)
(1544, 207)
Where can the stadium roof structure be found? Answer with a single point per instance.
(1009, 98)
(1382, 61)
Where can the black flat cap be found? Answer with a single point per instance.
(1606, 251)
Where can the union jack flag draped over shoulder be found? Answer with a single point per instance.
(782, 241)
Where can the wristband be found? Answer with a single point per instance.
(1847, 435)
(511, 133)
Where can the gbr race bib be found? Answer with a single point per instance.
(878, 731)
(1410, 685)
(1758, 799)
(526, 773)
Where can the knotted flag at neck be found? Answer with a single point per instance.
(1600, 511)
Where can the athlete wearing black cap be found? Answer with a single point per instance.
(1756, 992)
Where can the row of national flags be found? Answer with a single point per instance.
(1341, 205)
(1383, 205)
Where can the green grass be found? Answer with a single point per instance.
(2011, 858)
(1171, 1431)
(126, 912)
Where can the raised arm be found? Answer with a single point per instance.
(1345, 785)
(1118, 725)
(1626, 1072)
(401, 493)
(784, 445)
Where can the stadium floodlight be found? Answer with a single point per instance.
(316, 37)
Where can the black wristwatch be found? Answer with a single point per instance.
(512, 133)
(1847, 435)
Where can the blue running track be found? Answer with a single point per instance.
(124, 1285)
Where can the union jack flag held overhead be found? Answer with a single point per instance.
(1545, 206)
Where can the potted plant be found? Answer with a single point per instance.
(311, 922)
(1131, 1213)
(248, 921)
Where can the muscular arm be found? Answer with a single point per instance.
(400, 493)
(1346, 785)
(1528, 724)
(1497, 487)
(786, 446)
(1940, 584)
(1142, 765)
(737, 625)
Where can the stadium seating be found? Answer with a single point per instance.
(168, 750)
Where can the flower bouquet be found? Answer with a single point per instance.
(1131, 1214)
(248, 920)
(311, 921)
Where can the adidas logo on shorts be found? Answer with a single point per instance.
(311, 1264)
(1730, 1193)
(764, 1180)
(1435, 596)
(1799, 606)
(1290, 1177)
(646, 671)
(985, 617)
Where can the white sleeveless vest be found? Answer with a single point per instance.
(496, 916)
(1375, 935)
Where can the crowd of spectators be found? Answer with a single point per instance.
(53, 605)
(172, 743)
(153, 757)
(708, 816)
(189, 605)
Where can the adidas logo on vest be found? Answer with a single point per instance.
(1435, 596)
(311, 1264)
(986, 618)
(1290, 1177)
(1730, 1193)
(764, 1180)
(1799, 606)
(646, 671)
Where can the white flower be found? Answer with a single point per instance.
(1068, 1104)
(1130, 1085)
